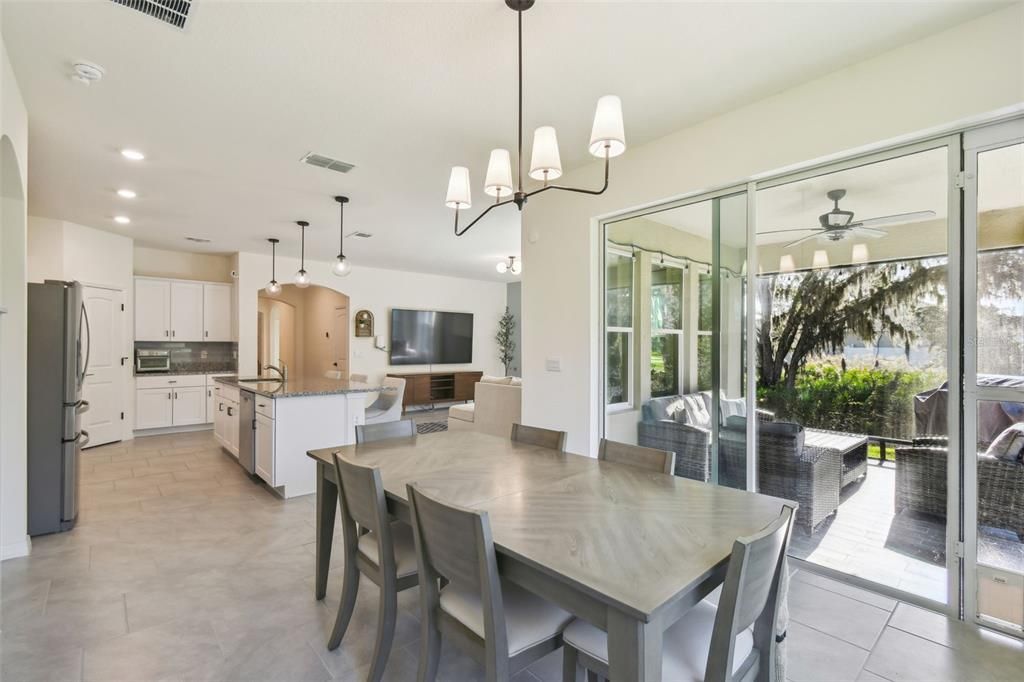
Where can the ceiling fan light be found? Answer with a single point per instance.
(498, 182)
(608, 136)
(458, 189)
(545, 162)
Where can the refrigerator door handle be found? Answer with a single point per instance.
(83, 438)
(83, 406)
(88, 336)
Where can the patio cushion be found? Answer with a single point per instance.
(658, 409)
(781, 428)
(697, 411)
(733, 407)
(1009, 445)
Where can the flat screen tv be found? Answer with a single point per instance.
(431, 337)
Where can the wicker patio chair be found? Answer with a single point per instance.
(921, 485)
(692, 445)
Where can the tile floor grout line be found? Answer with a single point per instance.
(827, 634)
(841, 594)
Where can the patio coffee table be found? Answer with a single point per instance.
(852, 446)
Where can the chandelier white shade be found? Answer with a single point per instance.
(607, 139)
(458, 189)
(545, 162)
(499, 174)
(608, 136)
(512, 265)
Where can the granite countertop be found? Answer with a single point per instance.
(297, 387)
(180, 372)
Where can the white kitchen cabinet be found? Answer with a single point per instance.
(154, 408)
(225, 425)
(189, 405)
(217, 312)
(186, 311)
(265, 448)
(152, 309)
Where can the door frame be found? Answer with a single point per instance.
(125, 341)
(975, 142)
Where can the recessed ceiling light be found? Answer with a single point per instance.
(122, 219)
(132, 154)
(126, 194)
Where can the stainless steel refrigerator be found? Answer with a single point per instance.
(58, 358)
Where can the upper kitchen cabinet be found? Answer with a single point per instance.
(152, 309)
(187, 311)
(217, 312)
(183, 310)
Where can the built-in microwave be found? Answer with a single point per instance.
(152, 360)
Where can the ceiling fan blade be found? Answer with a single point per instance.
(795, 229)
(802, 240)
(868, 232)
(914, 216)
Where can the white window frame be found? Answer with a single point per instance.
(681, 333)
(629, 380)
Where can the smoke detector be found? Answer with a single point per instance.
(86, 73)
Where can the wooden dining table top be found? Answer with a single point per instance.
(633, 539)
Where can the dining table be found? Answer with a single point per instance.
(626, 549)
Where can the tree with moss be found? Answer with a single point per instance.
(506, 339)
(809, 314)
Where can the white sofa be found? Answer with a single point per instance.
(497, 404)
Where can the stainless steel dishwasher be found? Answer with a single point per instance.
(247, 431)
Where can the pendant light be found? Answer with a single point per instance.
(607, 140)
(273, 287)
(302, 277)
(341, 265)
(514, 266)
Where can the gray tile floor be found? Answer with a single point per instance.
(181, 568)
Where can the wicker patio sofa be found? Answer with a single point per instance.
(921, 484)
(682, 424)
(787, 468)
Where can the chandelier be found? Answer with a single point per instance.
(607, 139)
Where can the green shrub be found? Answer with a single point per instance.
(876, 401)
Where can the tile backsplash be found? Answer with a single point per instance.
(199, 356)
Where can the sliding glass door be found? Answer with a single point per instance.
(994, 376)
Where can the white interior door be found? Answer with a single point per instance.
(104, 379)
(340, 338)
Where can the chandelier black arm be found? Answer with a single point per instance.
(477, 219)
(607, 163)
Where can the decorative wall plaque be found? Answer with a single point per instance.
(364, 323)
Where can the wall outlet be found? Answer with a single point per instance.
(553, 364)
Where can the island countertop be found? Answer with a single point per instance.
(298, 387)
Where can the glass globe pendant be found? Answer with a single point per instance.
(302, 277)
(273, 287)
(341, 266)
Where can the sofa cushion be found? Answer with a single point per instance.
(515, 381)
(1009, 445)
(781, 428)
(697, 410)
(736, 423)
(461, 412)
(487, 379)
(659, 409)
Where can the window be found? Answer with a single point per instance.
(666, 328)
(704, 320)
(619, 328)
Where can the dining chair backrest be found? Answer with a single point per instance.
(533, 435)
(369, 433)
(750, 596)
(361, 494)
(395, 392)
(652, 459)
(455, 543)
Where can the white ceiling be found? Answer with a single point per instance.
(225, 109)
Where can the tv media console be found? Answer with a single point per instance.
(427, 388)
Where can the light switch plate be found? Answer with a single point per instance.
(553, 364)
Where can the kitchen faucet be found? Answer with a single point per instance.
(282, 370)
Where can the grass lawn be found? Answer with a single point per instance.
(873, 452)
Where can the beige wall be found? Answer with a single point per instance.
(307, 328)
(181, 265)
(958, 75)
(322, 305)
(14, 540)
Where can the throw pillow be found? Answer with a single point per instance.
(515, 381)
(697, 411)
(1009, 445)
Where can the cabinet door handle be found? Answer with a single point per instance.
(172, 381)
(229, 412)
(209, 393)
(172, 332)
(175, 395)
(220, 407)
(167, 333)
(168, 395)
(206, 333)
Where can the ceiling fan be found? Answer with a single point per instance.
(838, 224)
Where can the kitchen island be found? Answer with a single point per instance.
(269, 425)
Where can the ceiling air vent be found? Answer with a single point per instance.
(173, 12)
(197, 240)
(321, 161)
(359, 235)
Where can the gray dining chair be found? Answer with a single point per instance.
(661, 461)
(534, 435)
(369, 433)
(735, 641)
(499, 623)
(376, 545)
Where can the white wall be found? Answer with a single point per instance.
(377, 290)
(14, 539)
(956, 75)
(58, 249)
